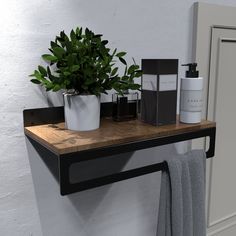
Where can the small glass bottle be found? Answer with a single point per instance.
(125, 107)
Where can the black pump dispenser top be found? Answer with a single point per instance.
(192, 70)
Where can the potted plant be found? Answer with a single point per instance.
(83, 67)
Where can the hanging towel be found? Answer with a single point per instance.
(182, 198)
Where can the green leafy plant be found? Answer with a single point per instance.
(81, 63)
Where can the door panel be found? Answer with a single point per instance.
(222, 99)
(214, 49)
(227, 230)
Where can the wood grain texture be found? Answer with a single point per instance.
(62, 141)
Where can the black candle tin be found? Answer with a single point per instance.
(159, 91)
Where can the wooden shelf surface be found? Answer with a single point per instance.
(62, 141)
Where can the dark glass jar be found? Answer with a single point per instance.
(125, 107)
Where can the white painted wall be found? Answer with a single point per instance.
(146, 29)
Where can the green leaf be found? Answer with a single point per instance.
(56, 88)
(35, 81)
(66, 73)
(37, 75)
(58, 52)
(132, 68)
(87, 33)
(42, 70)
(75, 68)
(52, 78)
(69, 46)
(121, 54)
(62, 34)
(134, 86)
(114, 71)
(48, 57)
(66, 82)
(104, 42)
(73, 35)
(70, 59)
(89, 82)
(80, 31)
(138, 73)
(53, 44)
(123, 60)
(77, 30)
(60, 40)
(48, 70)
(97, 36)
(125, 77)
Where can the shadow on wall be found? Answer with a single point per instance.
(90, 203)
(86, 205)
(129, 207)
(84, 171)
(53, 98)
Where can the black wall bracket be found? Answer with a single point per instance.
(64, 161)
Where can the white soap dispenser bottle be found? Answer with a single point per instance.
(191, 96)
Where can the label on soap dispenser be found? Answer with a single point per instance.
(191, 101)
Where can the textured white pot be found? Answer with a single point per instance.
(82, 112)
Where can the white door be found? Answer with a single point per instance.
(222, 109)
(216, 52)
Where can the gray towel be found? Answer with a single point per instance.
(182, 198)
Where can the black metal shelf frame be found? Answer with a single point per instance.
(64, 161)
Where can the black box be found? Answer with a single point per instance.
(159, 91)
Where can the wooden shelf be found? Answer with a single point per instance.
(111, 138)
(63, 141)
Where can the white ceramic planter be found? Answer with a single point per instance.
(82, 112)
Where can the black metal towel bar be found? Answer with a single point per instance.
(67, 160)
(64, 161)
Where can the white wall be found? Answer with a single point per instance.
(146, 29)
